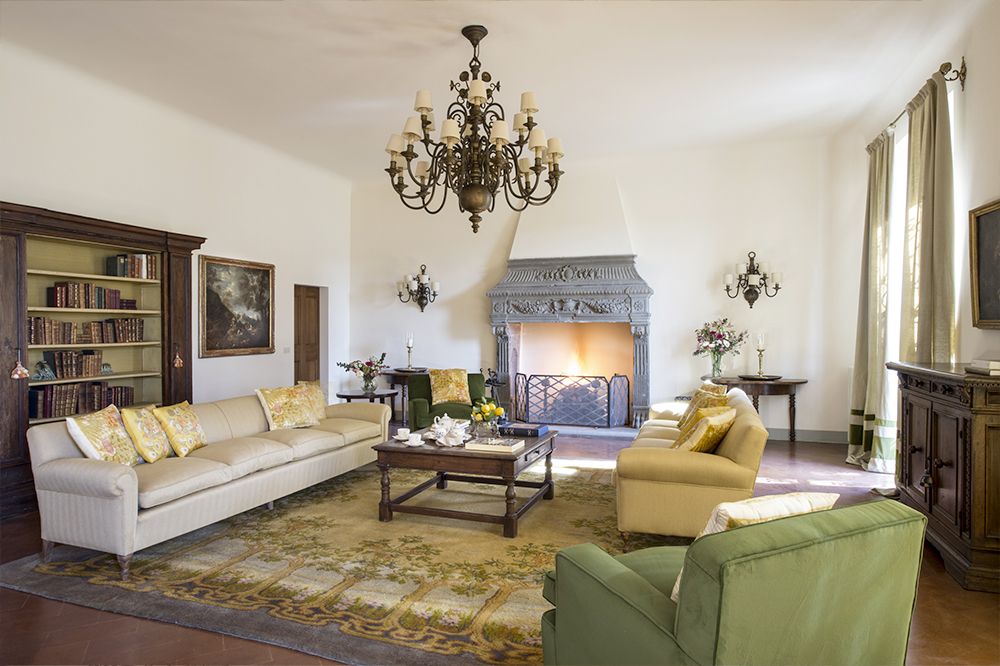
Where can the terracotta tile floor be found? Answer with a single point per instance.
(950, 625)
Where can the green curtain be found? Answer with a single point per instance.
(872, 429)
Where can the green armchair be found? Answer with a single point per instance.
(422, 412)
(833, 587)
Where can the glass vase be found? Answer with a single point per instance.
(368, 385)
(716, 364)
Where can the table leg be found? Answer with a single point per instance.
(791, 416)
(509, 519)
(384, 510)
(756, 402)
(392, 408)
(442, 480)
(551, 492)
(405, 408)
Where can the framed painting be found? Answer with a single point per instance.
(235, 307)
(984, 247)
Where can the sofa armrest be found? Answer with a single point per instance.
(419, 414)
(362, 411)
(672, 466)
(672, 410)
(86, 477)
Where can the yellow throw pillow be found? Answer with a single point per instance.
(146, 433)
(728, 515)
(715, 389)
(699, 414)
(316, 397)
(182, 427)
(450, 386)
(707, 432)
(287, 407)
(702, 398)
(102, 436)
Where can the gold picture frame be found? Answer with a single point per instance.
(984, 253)
(235, 307)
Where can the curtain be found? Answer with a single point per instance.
(928, 331)
(872, 431)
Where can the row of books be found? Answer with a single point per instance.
(86, 295)
(982, 366)
(45, 331)
(144, 266)
(71, 364)
(57, 400)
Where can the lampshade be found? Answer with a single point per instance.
(412, 130)
(423, 102)
(528, 103)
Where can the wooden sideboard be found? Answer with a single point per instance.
(948, 465)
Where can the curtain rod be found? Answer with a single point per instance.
(949, 74)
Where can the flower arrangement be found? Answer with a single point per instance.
(368, 370)
(716, 339)
(489, 413)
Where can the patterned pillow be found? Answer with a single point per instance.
(450, 386)
(706, 434)
(102, 436)
(287, 407)
(698, 415)
(702, 398)
(146, 433)
(182, 427)
(728, 515)
(316, 397)
(717, 389)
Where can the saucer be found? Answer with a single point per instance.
(400, 438)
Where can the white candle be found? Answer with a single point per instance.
(765, 268)
(395, 145)
(741, 269)
(760, 342)
(424, 278)
(407, 278)
(777, 278)
(499, 135)
(399, 288)
(555, 149)
(477, 91)
(729, 279)
(413, 285)
(409, 339)
(422, 167)
(528, 103)
(423, 102)
(435, 287)
(412, 130)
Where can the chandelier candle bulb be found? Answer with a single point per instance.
(765, 268)
(424, 278)
(413, 129)
(519, 123)
(413, 285)
(728, 280)
(477, 91)
(421, 171)
(741, 269)
(528, 103)
(777, 279)
(499, 134)
(423, 102)
(435, 287)
(430, 127)
(524, 165)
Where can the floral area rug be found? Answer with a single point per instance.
(321, 574)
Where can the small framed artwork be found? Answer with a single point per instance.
(235, 307)
(984, 248)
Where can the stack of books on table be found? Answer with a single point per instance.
(495, 445)
(984, 367)
(523, 430)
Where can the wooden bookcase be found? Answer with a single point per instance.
(40, 249)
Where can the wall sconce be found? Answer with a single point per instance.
(19, 371)
(418, 288)
(752, 279)
(178, 362)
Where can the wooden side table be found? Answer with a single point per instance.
(379, 394)
(399, 377)
(756, 388)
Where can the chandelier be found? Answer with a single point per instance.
(474, 156)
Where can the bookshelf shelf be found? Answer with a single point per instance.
(100, 345)
(93, 311)
(95, 378)
(90, 276)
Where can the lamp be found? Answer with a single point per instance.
(418, 288)
(19, 371)
(752, 279)
(475, 157)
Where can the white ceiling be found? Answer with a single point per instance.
(328, 81)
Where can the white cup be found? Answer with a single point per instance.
(414, 439)
(403, 432)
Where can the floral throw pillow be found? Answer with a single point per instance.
(707, 432)
(147, 434)
(287, 407)
(450, 386)
(702, 398)
(102, 436)
(182, 427)
(316, 397)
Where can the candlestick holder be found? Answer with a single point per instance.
(760, 362)
(409, 357)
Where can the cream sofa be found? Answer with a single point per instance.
(120, 509)
(663, 491)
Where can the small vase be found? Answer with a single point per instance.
(716, 364)
(486, 429)
(368, 385)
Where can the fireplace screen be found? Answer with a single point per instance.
(571, 400)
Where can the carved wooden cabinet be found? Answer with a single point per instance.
(948, 465)
(39, 248)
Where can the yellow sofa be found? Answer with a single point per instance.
(664, 491)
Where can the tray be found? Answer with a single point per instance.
(760, 378)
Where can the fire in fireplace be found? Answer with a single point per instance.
(572, 400)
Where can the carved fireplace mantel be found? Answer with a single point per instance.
(575, 289)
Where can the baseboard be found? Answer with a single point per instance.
(824, 436)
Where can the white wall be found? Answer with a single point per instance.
(73, 143)
(691, 216)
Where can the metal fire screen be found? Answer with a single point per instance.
(569, 400)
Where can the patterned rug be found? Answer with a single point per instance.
(321, 574)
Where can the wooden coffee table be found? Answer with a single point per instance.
(459, 464)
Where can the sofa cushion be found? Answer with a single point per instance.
(651, 441)
(659, 432)
(352, 429)
(664, 423)
(549, 588)
(306, 442)
(244, 414)
(246, 455)
(660, 566)
(183, 429)
(213, 422)
(102, 436)
(287, 407)
(170, 478)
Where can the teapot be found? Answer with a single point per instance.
(445, 426)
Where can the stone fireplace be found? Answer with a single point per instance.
(539, 292)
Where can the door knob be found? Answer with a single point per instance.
(938, 463)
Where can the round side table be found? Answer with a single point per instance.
(379, 394)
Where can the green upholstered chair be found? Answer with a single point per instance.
(833, 587)
(422, 412)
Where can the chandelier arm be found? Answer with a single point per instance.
(516, 207)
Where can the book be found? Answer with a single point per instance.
(495, 446)
(524, 429)
(971, 369)
(985, 364)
